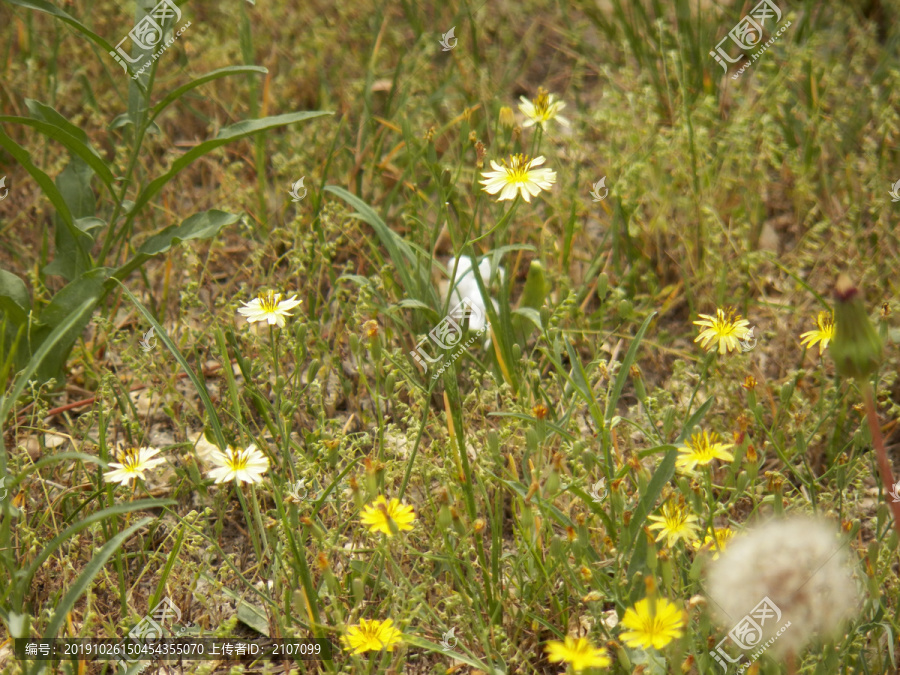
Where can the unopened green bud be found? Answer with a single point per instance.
(535, 287)
(856, 349)
(602, 285)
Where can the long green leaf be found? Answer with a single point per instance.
(51, 459)
(199, 384)
(167, 570)
(75, 528)
(695, 419)
(225, 136)
(661, 476)
(203, 79)
(580, 381)
(42, 6)
(202, 225)
(71, 143)
(422, 643)
(400, 252)
(87, 576)
(14, 298)
(625, 370)
(23, 157)
(9, 400)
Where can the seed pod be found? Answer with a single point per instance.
(856, 349)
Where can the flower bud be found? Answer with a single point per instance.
(856, 349)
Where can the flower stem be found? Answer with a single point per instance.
(250, 525)
(884, 467)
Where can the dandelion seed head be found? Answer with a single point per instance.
(801, 565)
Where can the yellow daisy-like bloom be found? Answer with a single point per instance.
(702, 449)
(381, 514)
(722, 331)
(542, 109)
(371, 636)
(823, 334)
(518, 175)
(244, 466)
(269, 307)
(132, 464)
(652, 625)
(579, 652)
(715, 543)
(675, 523)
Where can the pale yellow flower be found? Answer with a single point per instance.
(132, 464)
(244, 466)
(542, 109)
(518, 175)
(269, 307)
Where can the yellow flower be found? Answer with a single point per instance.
(132, 464)
(653, 625)
(702, 449)
(543, 109)
(372, 636)
(579, 652)
(721, 330)
(244, 466)
(519, 175)
(822, 335)
(269, 307)
(715, 543)
(380, 515)
(675, 523)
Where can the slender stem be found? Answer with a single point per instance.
(706, 361)
(250, 525)
(884, 466)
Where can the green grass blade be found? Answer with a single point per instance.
(75, 528)
(661, 476)
(72, 144)
(227, 135)
(400, 252)
(42, 6)
(203, 79)
(625, 370)
(23, 157)
(87, 575)
(199, 384)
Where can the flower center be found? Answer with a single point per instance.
(268, 301)
(517, 169)
(238, 460)
(130, 460)
(542, 102)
